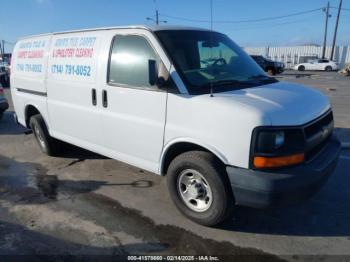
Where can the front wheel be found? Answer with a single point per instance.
(199, 187)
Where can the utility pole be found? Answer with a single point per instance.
(157, 21)
(326, 10)
(1, 55)
(336, 29)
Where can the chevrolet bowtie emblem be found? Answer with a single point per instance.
(325, 131)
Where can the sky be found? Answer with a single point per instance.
(27, 17)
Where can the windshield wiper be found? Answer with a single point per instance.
(263, 78)
(259, 77)
(229, 83)
(236, 84)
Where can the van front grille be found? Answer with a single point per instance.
(317, 126)
(317, 135)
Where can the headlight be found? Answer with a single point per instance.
(277, 147)
(269, 141)
(279, 139)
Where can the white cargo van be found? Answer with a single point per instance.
(186, 103)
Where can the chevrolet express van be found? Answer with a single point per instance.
(184, 103)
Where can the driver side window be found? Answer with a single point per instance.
(129, 60)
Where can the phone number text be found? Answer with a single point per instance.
(77, 70)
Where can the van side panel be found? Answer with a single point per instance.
(72, 75)
(28, 75)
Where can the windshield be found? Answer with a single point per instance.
(204, 60)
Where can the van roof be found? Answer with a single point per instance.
(146, 27)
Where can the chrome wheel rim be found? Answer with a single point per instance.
(194, 190)
(39, 137)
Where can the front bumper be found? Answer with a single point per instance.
(286, 186)
(3, 105)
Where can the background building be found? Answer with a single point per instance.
(292, 55)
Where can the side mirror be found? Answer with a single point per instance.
(163, 76)
(158, 75)
(152, 72)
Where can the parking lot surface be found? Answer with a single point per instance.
(83, 203)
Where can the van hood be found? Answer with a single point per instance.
(283, 103)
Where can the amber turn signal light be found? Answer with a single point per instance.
(270, 162)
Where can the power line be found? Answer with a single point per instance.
(242, 21)
(272, 25)
(343, 9)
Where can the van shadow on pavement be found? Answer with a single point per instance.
(9, 127)
(30, 184)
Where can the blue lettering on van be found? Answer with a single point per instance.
(87, 41)
(31, 68)
(32, 44)
(76, 70)
(75, 41)
(57, 69)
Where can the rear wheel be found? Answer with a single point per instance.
(199, 187)
(301, 68)
(47, 144)
(328, 68)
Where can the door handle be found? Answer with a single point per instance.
(93, 96)
(104, 98)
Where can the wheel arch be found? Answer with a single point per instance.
(328, 66)
(31, 110)
(179, 146)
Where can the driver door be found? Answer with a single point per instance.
(133, 114)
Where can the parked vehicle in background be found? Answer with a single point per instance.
(307, 57)
(272, 67)
(3, 102)
(319, 64)
(4, 74)
(183, 102)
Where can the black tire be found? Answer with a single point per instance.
(47, 144)
(301, 68)
(328, 68)
(1, 115)
(7, 82)
(222, 205)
